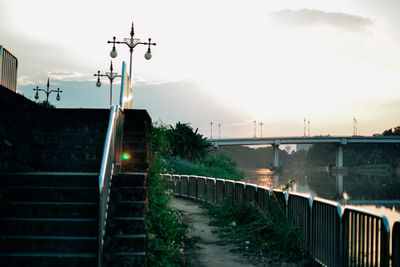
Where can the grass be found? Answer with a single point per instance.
(265, 233)
(214, 165)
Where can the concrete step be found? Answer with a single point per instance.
(134, 167)
(128, 193)
(48, 226)
(49, 244)
(126, 208)
(48, 259)
(70, 156)
(50, 179)
(55, 136)
(132, 147)
(125, 226)
(48, 194)
(53, 209)
(137, 155)
(125, 243)
(70, 166)
(130, 179)
(124, 259)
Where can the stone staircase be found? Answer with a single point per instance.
(134, 143)
(125, 232)
(71, 140)
(48, 219)
(49, 207)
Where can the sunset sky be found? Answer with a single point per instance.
(229, 62)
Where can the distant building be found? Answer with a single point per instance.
(303, 147)
(8, 69)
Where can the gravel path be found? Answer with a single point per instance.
(209, 250)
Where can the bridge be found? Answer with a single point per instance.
(339, 141)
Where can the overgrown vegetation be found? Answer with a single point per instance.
(266, 233)
(182, 150)
(165, 231)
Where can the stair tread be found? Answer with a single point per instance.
(127, 236)
(128, 218)
(56, 173)
(46, 203)
(48, 237)
(126, 253)
(49, 187)
(49, 219)
(50, 254)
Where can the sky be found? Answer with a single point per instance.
(229, 62)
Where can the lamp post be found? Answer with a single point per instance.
(47, 92)
(110, 75)
(131, 43)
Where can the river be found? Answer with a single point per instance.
(379, 193)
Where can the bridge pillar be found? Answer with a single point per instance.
(339, 157)
(339, 168)
(276, 155)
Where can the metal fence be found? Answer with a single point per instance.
(396, 244)
(366, 238)
(332, 234)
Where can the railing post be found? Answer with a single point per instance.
(396, 244)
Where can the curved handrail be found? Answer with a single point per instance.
(107, 147)
(112, 140)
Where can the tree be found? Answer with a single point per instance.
(186, 143)
(392, 131)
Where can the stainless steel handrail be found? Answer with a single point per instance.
(112, 144)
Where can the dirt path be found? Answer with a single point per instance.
(209, 250)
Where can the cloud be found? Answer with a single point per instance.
(309, 17)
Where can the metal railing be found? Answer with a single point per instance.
(366, 238)
(110, 165)
(332, 234)
(325, 234)
(396, 244)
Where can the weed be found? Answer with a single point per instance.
(265, 232)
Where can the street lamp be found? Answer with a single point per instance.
(131, 43)
(110, 75)
(47, 92)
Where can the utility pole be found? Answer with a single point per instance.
(261, 124)
(219, 130)
(255, 126)
(354, 126)
(211, 129)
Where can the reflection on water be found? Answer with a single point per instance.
(378, 193)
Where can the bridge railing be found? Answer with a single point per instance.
(333, 235)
